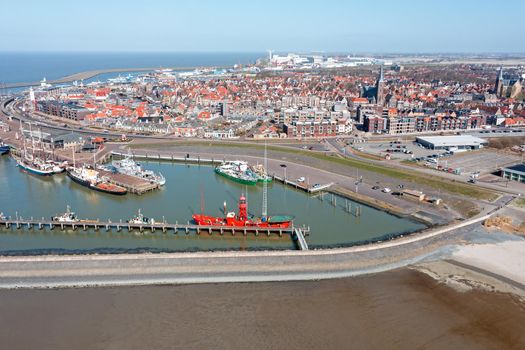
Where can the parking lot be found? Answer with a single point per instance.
(484, 161)
(396, 149)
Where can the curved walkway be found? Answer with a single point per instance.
(213, 267)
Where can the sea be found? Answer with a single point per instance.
(33, 66)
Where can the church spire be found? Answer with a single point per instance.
(380, 87)
(499, 83)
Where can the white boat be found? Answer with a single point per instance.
(34, 166)
(141, 219)
(68, 216)
(57, 167)
(129, 167)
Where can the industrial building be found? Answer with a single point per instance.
(515, 173)
(451, 142)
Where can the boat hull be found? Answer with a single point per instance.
(205, 220)
(34, 171)
(89, 185)
(236, 179)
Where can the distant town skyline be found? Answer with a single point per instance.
(404, 26)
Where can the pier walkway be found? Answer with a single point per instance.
(301, 241)
(165, 227)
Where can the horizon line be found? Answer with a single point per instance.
(304, 52)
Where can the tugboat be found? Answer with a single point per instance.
(89, 178)
(68, 216)
(141, 219)
(243, 219)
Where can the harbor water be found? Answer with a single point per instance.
(189, 189)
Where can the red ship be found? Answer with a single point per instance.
(242, 219)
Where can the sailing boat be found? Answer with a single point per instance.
(31, 163)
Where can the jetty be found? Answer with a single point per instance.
(133, 184)
(93, 73)
(297, 234)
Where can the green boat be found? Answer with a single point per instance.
(264, 178)
(236, 176)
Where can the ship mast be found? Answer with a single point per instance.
(41, 142)
(265, 187)
(74, 162)
(32, 143)
(23, 139)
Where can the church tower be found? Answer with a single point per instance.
(499, 83)
(380, 88)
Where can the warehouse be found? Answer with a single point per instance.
(515, 172)
(451, 142)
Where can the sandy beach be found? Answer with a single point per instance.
(400, 309)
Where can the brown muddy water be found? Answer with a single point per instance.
(400, 309)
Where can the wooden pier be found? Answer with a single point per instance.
(133, 184)
(303, 186)
(297, 234)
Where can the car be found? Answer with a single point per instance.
(387, 190)
(316, 185)
(375, 187)
(301, 179)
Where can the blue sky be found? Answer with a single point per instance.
(234, 25)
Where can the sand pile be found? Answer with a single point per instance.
(504, 223)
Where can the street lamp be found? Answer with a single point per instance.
(284, 168)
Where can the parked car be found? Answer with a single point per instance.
(387, 190)
(375, 187)
(301, 179)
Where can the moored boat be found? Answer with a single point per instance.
(68, 216)
(89, 178)
(237, 171)
(242, 219)
(129, 167)
(141, 219)
(4, 149)
(34, 166)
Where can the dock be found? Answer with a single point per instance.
(303, 186)
(216, 161)
(296, 234)
(133, 184)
